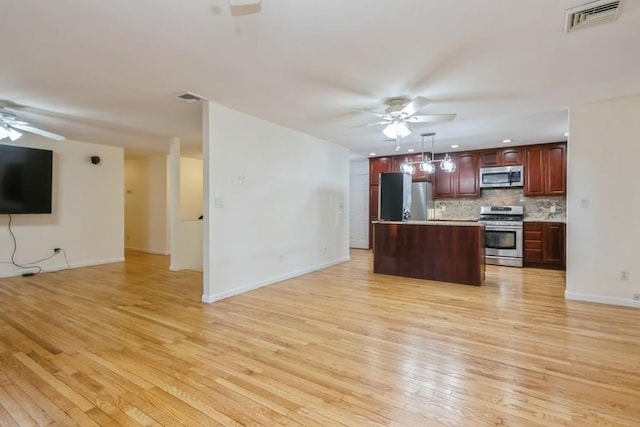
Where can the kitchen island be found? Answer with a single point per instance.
(448, 251)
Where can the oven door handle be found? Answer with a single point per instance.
(501, 228)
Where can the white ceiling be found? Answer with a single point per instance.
(109, 71)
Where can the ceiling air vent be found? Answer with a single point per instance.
(591, 13)
(190, 97)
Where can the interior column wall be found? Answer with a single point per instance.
(603, 204)
(278, 203)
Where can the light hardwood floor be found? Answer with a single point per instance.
(132, 344)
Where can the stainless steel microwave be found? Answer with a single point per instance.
(503, 176)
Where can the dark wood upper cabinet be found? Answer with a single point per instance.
(490, 158)
(545, 169)
(378, 165)
(464, 182)
(511, 156)
(501, 157)
(556, 173)
(467, 170)
(534, 171)
(444, 184)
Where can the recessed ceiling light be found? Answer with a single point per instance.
(411, 150)
(506, 141)
(455, 146)
(372, 154)
(566, 134)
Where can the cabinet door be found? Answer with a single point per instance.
(444, 182)
(373, 211)
(556, 170)
(377, 165)
(532, 243)
(534, 170)
(511, 157)
(553, 237)
(467, 169)
(490, 158)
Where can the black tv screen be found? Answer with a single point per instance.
(25, 180)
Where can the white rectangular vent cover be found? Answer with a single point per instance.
(591, 13)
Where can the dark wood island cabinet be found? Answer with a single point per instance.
(433, 250)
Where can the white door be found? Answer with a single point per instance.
(359, 204)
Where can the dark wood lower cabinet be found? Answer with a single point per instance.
(545, 245)
(448, 253)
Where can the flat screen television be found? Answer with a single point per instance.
(25, 180)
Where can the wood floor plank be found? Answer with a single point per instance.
(131, 344)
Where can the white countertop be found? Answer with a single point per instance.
(436, 222)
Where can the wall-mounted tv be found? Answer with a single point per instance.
(25, 180)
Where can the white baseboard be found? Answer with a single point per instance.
(60, 267)
(147, 251)
(222, 295)
(602, 299)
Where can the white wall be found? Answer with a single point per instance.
(277, 203)
(190, 189)
(88, 210)
(603, 238)
(146, 205)
(359, 204)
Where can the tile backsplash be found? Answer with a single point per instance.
(535, 208)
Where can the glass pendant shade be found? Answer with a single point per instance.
(447, 164)
(407, 167)
(427, 166)
(395, 129)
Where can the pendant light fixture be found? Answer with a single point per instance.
(427, 163)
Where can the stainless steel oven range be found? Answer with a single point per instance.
(502, 234)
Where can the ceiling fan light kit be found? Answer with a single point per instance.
(401, 111)
(396, 129)
(7, 132)
(10, 127)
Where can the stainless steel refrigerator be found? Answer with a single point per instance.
(422, 206)
(394, 202)
(401, 200)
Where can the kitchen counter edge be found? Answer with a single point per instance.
(438, 222)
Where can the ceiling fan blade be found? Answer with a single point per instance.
(31, 129)
(381, 122)
(369, 112)
(416, 105)
(431, 118)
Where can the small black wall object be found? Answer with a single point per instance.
(95, 160)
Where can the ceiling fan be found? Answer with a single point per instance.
(401, 111)
(12, 128)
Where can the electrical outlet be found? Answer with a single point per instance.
(443, 208)
(624, 275)
(636, 297)
(552, 209)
